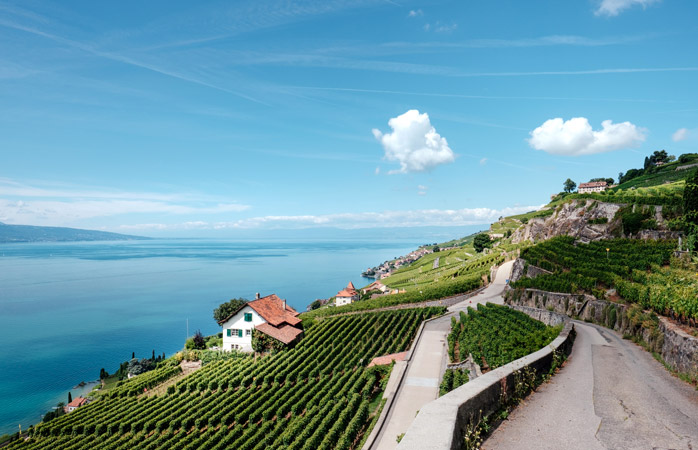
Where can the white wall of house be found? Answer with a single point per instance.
(232, 339)
(341, 301)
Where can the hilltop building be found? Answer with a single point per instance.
(269, 315)
(347, 295)
(594, 186)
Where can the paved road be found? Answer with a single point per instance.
(436, 263)
(611, 394)
(421, 382)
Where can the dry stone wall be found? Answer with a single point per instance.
(677, 348)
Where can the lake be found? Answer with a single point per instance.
(69, 309)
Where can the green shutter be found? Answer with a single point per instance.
(248, 317)
(229, 334)
(240, 333)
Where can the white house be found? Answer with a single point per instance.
(269, 315)
(75, 404)
(593, 186)
(347, 295)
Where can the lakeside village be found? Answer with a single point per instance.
(260, 325)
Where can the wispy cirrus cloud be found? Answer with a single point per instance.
(384, 219)
(36, 205)
(612, 8)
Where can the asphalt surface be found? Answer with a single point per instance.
(611, 394)
(421, 382)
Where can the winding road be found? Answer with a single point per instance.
(611, 394)
(420, 384)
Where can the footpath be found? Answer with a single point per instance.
(420, 385)
(611, 393)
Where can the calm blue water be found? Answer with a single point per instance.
(68, 309)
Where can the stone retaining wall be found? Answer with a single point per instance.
(550, 318)
(676, 347)
(441, 424)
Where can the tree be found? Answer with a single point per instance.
(70, 397)
(226, 309)
(199, 340)
(607, 180)
(481, 241)
(620, 177)
(436, 249)
(569, 185)
(315, 305)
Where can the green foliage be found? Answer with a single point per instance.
(314, 396)
(226, 309)
(452, 379)
(690, 199)
(496, 335)
(264, 343)
(638, 270)
(569, 185)
(481, 242)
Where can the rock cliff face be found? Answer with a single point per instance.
(572, 219)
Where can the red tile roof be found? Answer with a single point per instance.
(346, 293)
(593, 184)
(271, 308)
(77, 402)
(284, 333)
(387, 359)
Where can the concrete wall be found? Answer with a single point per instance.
(441, 423)
(676, 347)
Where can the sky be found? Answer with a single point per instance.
(212, 118)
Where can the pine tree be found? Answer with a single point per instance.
(70, 397)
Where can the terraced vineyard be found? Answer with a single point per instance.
(638, 270)
(315, 396)
(496, 335)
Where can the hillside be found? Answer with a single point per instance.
(30, 233)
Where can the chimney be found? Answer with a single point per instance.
(284, 304)
(256, 296)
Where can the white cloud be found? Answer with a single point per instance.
(414, 143)
(385, 219)
(445, 28)
(680, 135)
(68, 205)
(483, 161)
(422, 190)
(415, 13)
(612, 8)
(575, 137)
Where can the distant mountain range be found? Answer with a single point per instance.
(29, 233)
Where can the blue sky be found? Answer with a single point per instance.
(208, 118)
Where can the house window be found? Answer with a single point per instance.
(234, 332)
(248, 317)
(248, 332)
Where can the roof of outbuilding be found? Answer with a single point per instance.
(284, 333)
